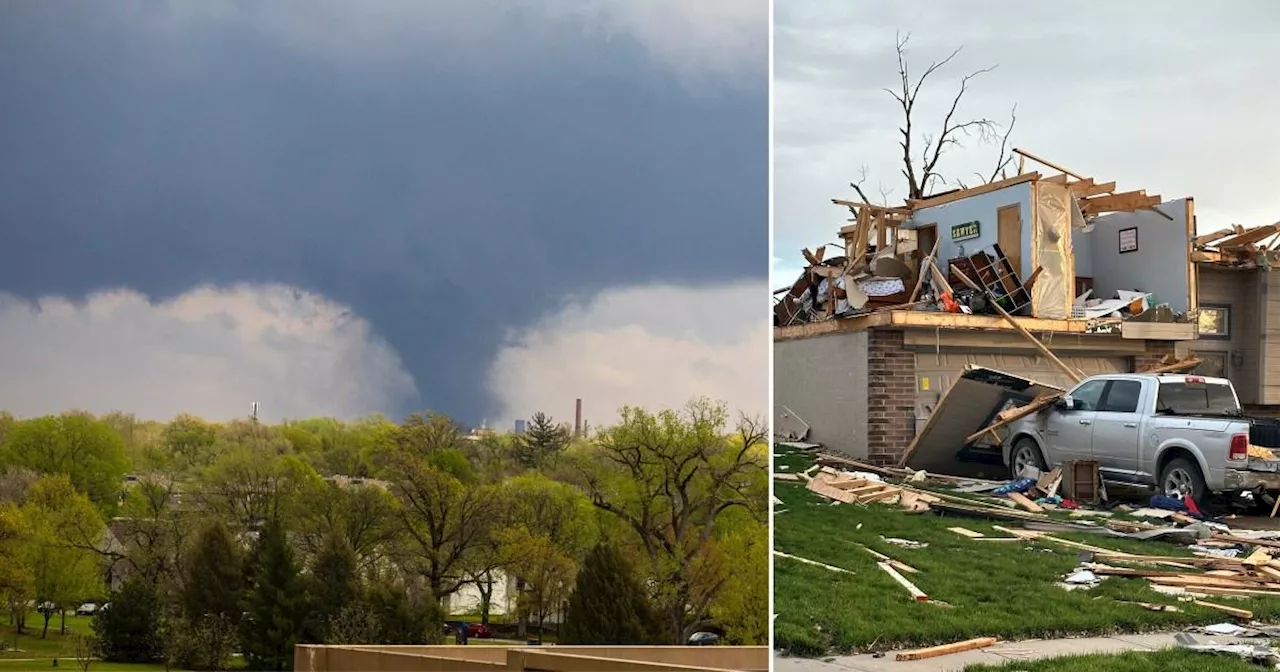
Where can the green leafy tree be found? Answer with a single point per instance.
(364, 515)
(546, 571)
(275, 604)
(672, 477)
(742, 606)
(17, 585)
(542, 440)
(245, 487)
(444, 522)
(63, 574)
(128, 630)
(608, 605)
(190, 440)
(214, 576)
(87, 450)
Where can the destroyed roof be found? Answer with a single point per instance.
(884, 269)
(1239, 247)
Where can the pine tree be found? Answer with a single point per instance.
(128, 629)
(542, 440)
(275, 604)
(214, 580)
(608, 605)
(333, 584)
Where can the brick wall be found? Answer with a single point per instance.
(1156, 350)
(891, 397)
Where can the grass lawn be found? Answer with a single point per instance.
(30, 645)
(1004, 589)
(71, 666)
(1168, 660)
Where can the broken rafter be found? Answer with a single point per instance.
(1175, 367)
(1254, 235)
(863, 204)
(1082, 190)
(1014, 414)
(961, 194)
(1209, 238)
(1047, 164)
(1128, 200)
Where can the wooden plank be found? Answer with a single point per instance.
(916, 594)
(1014, 414)
(1094, 190)
(1177, 367)
(1250, 236)
(1071, 373)
(945, 649)
(926, 263)
(894, 563)
(1210, 237)
(964, 532)
(858, 205)
(962, 194)
(815, 563)
(1238, 613)
(1025, 503)
(1129, 200)
(1024, 153)
(786, 477)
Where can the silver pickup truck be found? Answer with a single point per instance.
(1177, 433)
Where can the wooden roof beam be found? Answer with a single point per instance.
(1047, 164)
(961, 194)
(1250, 236)
(1092, 189)
(1129, 200)
(1207, 238)
(872, 206)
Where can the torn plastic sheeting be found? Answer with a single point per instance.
(1053, 292)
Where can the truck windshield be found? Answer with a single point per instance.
(1191, 398)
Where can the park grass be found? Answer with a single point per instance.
(56, 645)
(70, 665)
(1004, 589)
(1165, 660)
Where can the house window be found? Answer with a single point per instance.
(1212, 364)
(1215, 322)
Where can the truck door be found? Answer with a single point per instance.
(1116, 431)
(1069, 433)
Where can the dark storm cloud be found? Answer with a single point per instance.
(443, 196)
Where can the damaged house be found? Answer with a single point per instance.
(1052, 276)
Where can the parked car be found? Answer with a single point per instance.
(477, 630)
(1180, 434)
(86, 609)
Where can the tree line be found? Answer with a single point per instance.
(207, 539)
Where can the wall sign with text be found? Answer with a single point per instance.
(1129, 240)
(966, 231)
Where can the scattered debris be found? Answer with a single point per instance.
(905, 543)
(916, 594)
(815, 563)
(957, 647)
(790, 426)
(1254, 654)
(1238, 613)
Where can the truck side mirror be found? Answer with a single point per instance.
(1065, 403)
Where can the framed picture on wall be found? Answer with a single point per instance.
(1129, 240)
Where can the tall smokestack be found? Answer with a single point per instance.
(577, 419)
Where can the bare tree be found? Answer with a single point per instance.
(922, 170)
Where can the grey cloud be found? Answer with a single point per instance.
(442, 197)
(1155, 95)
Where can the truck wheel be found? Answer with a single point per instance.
(1025, 453)
(1182, 475)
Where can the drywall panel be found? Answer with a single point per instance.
(1158, 266)
(981, 209)
(823, 380)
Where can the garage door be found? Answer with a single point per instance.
(936, 371)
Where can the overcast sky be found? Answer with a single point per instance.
(1173, 97)
(483, 207)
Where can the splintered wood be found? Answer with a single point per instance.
(854, 490)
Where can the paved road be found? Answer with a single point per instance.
(998, 654)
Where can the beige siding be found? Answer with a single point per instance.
(1240, 292)
(1270, 327)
